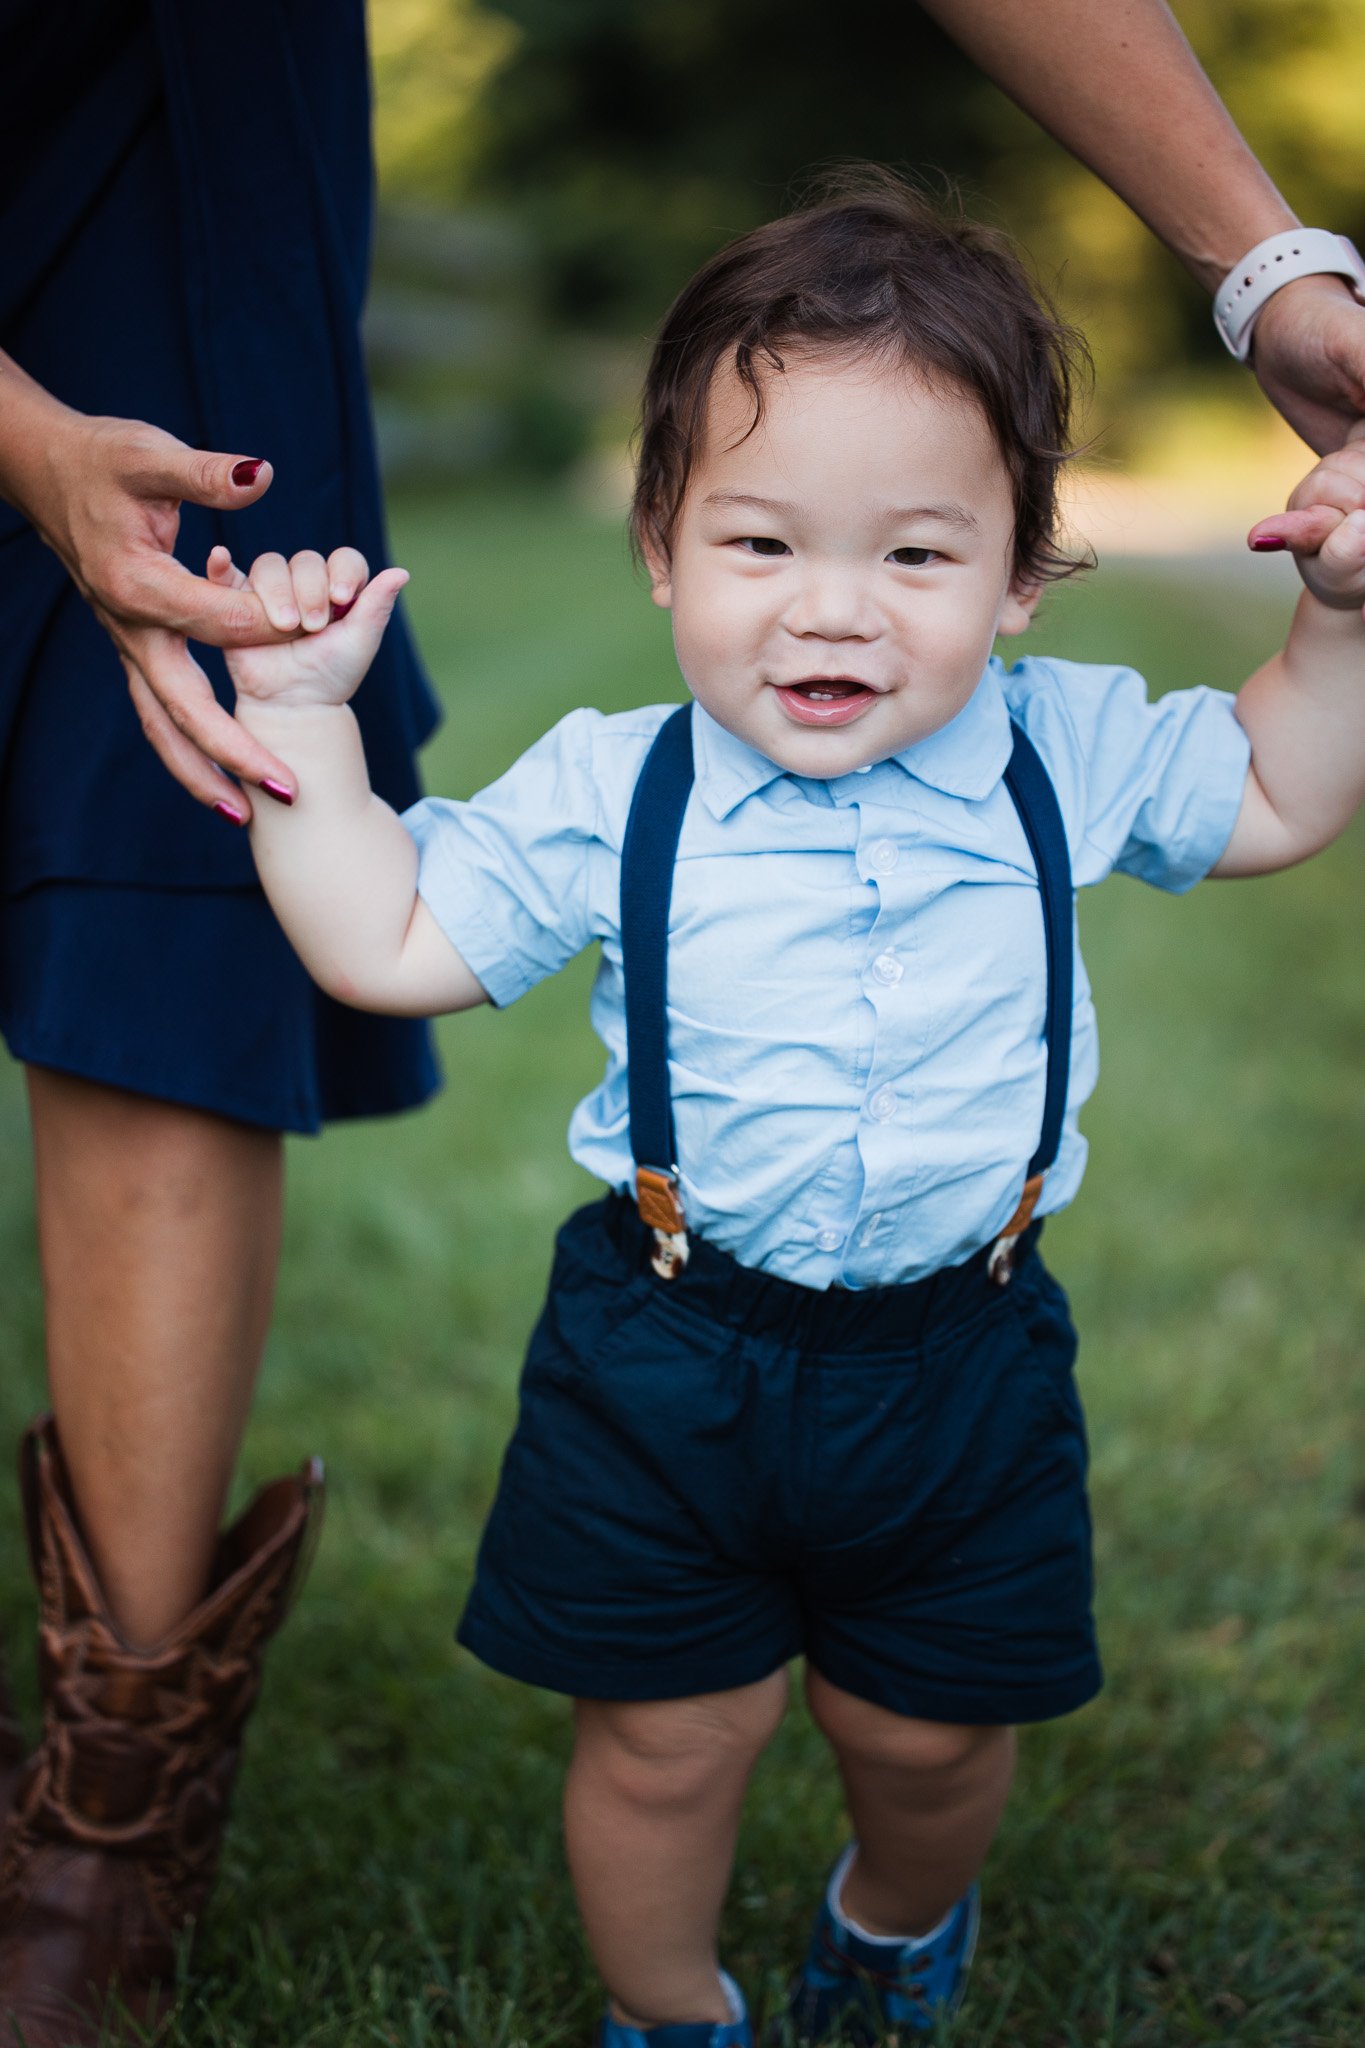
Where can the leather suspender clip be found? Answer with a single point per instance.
(658, 1197)
(1000, 1264)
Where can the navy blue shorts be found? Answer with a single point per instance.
(714, 1475)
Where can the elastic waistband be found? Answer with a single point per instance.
(609, 1236)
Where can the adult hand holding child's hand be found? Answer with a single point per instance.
(336, 619)
(1324, 526)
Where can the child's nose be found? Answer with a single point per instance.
(832, 604)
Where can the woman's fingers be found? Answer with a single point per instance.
(1317, 506)
(1303, 531)
(191, 769)
(152, 589)
(161, 465)
(180, 691)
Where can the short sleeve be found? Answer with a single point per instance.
(1160, 784)
(506, 874)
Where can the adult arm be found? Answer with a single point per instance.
(105, 495)
(1116, 82)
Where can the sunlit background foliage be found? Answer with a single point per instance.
(551, 173)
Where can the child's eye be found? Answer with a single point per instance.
(764, 544)
(912, 558)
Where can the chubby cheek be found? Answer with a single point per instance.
(717, 627)
(953, 636)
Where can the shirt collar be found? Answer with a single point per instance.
(965, 758)
(727, 768)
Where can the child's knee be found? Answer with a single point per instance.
(872, 1737)
(677, 1754)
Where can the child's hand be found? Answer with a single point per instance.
(1325, 526)
(338, 617)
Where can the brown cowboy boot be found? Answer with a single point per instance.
(12, 1748)
(113, 1844)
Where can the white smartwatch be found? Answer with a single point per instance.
(1299, 252)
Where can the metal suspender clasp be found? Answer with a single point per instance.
(658, 1197)
(1000, 1264)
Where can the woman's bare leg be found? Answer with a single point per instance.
(158, 1230)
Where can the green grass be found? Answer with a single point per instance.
(1181, 1863)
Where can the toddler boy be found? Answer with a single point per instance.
(802, 1385)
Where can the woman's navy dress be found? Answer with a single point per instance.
(185, 204)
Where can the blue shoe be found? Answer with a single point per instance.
(858, 1989)
(736, 2032)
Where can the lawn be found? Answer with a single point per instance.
(1182, 1860)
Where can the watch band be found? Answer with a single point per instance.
(1299, 252)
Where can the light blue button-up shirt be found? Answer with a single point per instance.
(856, 973)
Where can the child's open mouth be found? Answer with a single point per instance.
(825, 700)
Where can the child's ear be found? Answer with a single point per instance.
(1016, 613)
(660, 571)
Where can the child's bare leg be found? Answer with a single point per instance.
(925, 1799)
(651, 1806)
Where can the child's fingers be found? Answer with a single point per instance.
(311, 593)
(347, 570)
(359, 633)
(273, 584)
(223, 571)
(1343, 550)
(1339, 481)
(1303, 531)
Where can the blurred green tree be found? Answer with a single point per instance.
(631, 137)
(432, 61)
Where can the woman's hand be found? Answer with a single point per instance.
(105, 495)
(1309, 358)
(1325, 527)
(333, 616)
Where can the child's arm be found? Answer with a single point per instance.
(1305, 710)
(339, 868)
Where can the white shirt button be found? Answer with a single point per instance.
(883, 1105)
(829, 1240)
(887, 969)
(866, 769)
(884, 856)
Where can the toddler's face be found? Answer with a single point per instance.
(839, 574)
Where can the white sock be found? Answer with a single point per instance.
(835, 1902)
(734, 1998)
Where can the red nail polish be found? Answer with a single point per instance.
(245, 473)
(278, 791)
(1268, 544)
(226, 811)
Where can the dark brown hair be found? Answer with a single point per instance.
(870, 266)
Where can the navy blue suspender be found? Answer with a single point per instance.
(647, 857)
(647, 861)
